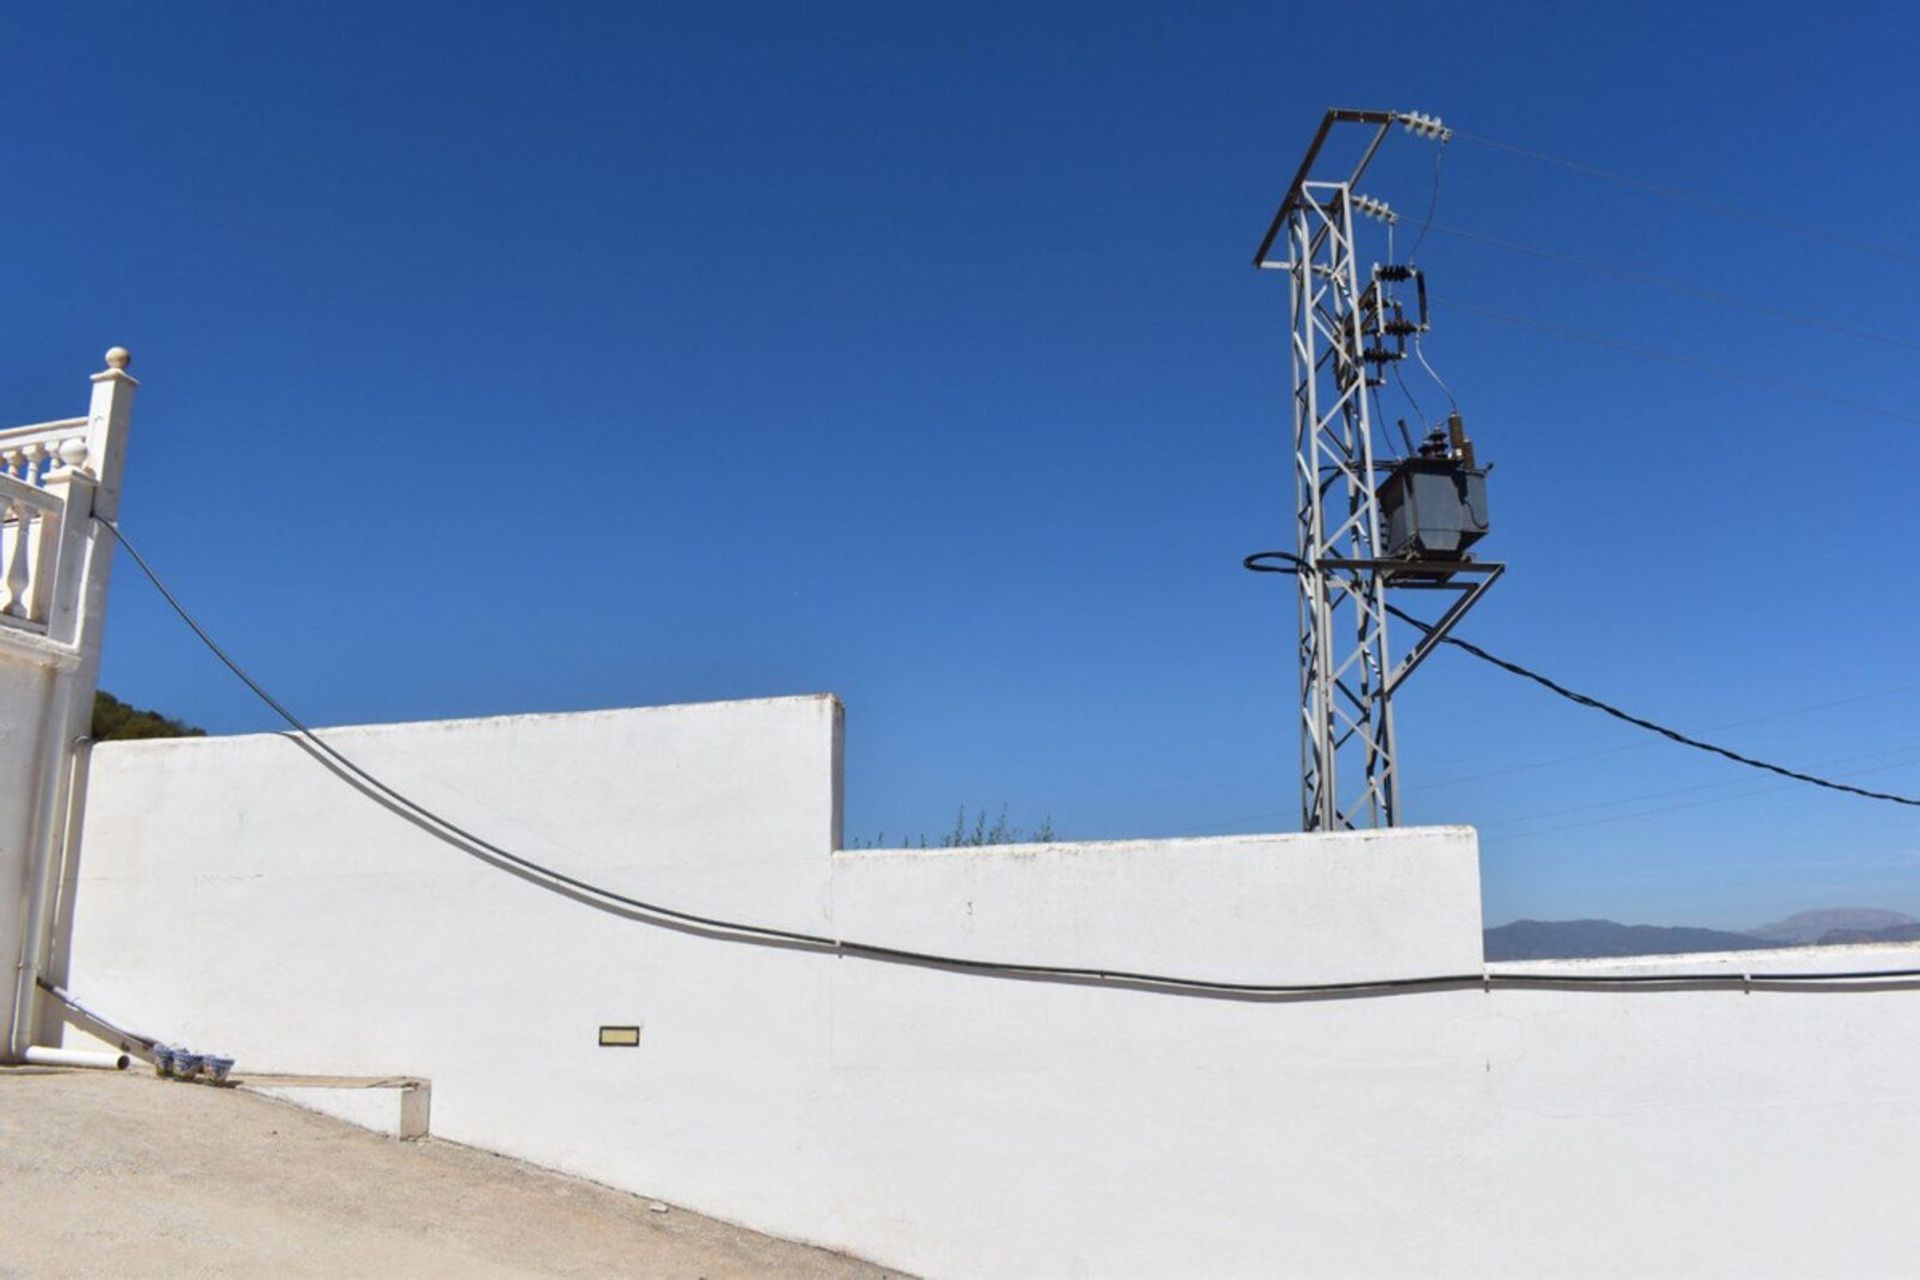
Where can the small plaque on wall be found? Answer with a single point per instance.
(619, 1037)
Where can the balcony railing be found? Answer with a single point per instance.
(38, 465)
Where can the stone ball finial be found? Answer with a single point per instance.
(118, 357)
(73, 451)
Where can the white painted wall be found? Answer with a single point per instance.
(239, 898)
(23, 707)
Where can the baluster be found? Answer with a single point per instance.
(38, 460)
(16, 558)
(46, 559)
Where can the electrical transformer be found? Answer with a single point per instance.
(1434, 504)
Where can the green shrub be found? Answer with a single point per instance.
(974, 834)
(114, 720)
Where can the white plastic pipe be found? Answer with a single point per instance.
(41, 1056)
(46, 831)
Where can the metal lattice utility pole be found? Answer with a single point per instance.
(1360, 533)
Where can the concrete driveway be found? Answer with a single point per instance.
(107, 1173)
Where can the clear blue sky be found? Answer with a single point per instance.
(540, 358)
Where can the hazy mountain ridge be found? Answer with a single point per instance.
(1595, 939)
(1892, 933)
(1600, 939)
(1814, 926)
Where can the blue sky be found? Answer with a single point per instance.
(505, 359)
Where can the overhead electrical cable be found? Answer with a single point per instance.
(1419, 414)
(1433, 206)
(1440, 382)
(1772, 788)
(1504, 826)
(1672, 735)
(1680, 287)
(1908, 754)
(1407, 391)
(1685, 362)
(1532, 765)
(721, 929)
(1723, 208)
(1426, 224)
(1293, 565)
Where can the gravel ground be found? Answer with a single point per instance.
(120, 1173)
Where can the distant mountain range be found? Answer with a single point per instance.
(1592, 939)
(1816, 926)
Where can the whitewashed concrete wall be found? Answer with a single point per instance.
(239, 898)
(24, 688)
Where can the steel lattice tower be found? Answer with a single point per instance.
(1344, 333)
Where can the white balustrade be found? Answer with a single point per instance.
(27, 453)
(37, 467)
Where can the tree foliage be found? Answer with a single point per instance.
(114, 720)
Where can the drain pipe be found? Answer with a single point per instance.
(46, 842)
(41, 1056)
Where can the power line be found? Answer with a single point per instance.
(1405, 390)
(1685, 362)
(1723, 208)
(1293, 566)
(1674, 735)
(721, 929)
(1694, 789)
(1679, 287)
(1503, 826)
(1433, 206)
(1767, 790)
(1788, 713)
(1426, 224)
